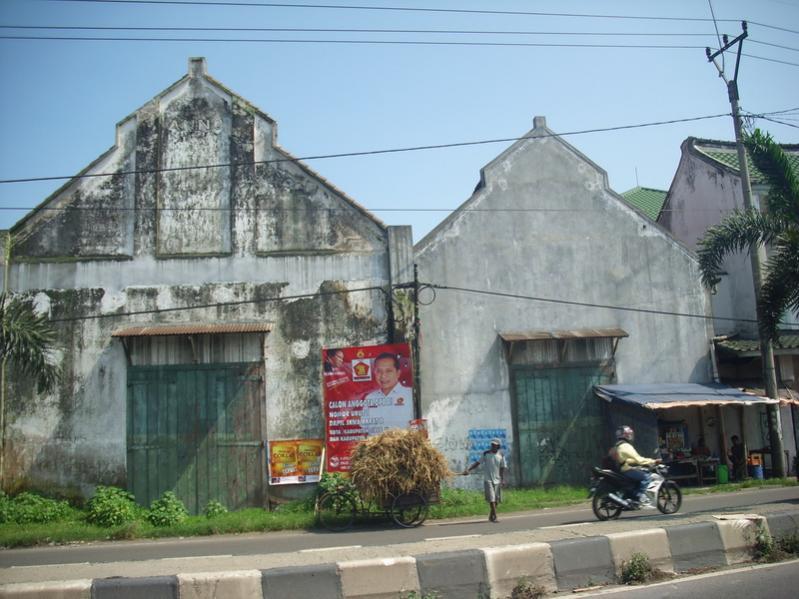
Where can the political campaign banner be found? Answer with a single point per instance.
(366, 390)
(295, 461)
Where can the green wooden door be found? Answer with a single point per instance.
(196, 430)
(558, 423)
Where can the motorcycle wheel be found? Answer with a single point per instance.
(669, 498)
(604, 508)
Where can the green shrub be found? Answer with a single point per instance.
(6, 508)
(111, 506)
(30, 508)
(213, 509)
(167, 510)
(637, 570)
(336, 482)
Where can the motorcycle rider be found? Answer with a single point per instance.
(630, 462)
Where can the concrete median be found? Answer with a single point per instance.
(478, 568)
(654, 543)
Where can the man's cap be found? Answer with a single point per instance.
(496, 441)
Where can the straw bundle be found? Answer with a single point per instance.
(394, 462)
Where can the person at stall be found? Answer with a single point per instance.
(700, 450)
(631, 463)
(738, 459)
(494, 467)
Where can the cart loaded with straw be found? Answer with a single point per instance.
(396, 474)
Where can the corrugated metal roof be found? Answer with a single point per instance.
(647, 200)
(785, 344)
(194, 329)
(570, 334)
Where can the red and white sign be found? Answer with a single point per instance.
(366, 391)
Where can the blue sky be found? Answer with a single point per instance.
(61, 99)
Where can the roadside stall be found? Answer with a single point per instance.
(691, 426)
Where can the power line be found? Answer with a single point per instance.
(316, 294)
(352, 30)
(409, 9)
(589, 304)
(67, 38)
(361, 153)
(346, 41)
(430, 10)
(319, 294)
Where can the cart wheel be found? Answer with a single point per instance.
(336, 511)
(409, 510)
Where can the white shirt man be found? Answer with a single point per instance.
(390, 406)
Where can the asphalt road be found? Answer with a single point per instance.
(375, 534)
(775, 581)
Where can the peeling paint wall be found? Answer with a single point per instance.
(167, 238)
(543, 223)
(701, 195)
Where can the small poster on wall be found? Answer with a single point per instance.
(295, 461)
(366, 390)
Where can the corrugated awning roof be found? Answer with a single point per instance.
(512, 336)
(194, 329)
(679, 395)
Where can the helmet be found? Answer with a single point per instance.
(625, 432)
(496, 441)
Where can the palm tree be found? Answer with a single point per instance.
(777, 226)
(26, 341)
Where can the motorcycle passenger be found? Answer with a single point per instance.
(630, 462)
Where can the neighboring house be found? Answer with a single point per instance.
(534, 272)
(191, 304)
(647, 200)
(707, 187)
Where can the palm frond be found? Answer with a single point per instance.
(26, 341)
(780, 290)
(768, 157)
(738, 232)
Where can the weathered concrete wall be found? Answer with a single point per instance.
(239, 234)
(701, 195)
(544, 223)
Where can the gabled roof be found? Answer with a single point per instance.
(725, 155)
(197, 68)
(647, 200)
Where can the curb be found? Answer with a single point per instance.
(560, 565)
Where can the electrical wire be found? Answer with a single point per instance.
(589, 304)
(362, 153)
(431, 286)
(314, 295)
(414, 9)
(353, 30)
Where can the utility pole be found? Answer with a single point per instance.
(757, 254)
(417, 362)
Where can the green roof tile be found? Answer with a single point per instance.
(744, 346)
(647, 200)
(726, 154)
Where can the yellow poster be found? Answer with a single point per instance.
(295, 461)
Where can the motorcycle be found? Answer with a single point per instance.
(613, 493)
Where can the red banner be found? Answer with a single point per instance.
(366, 391)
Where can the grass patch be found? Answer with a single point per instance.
(752, 483)
(298, 515)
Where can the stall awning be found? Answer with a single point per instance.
(195, 329)
(679, 395)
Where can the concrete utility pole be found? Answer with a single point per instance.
(757, 254)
